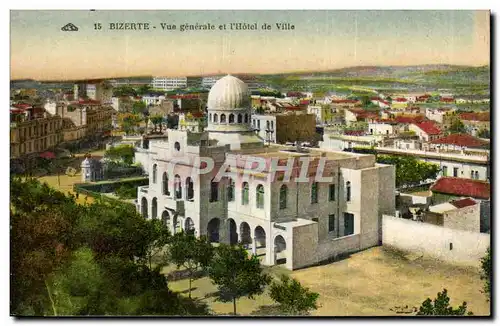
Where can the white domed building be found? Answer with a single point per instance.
(229, 114)
(211, 181)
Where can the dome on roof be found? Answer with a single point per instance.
(228, 93)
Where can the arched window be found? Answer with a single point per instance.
(155, 170)
(230, 191)
(189, 189)
(348, 191)
(178, 187)
(154, 208)
(222, 118)
(244, 193)
(210, 117)
(214, 190)
(314, 193)
(231, 118)
(267, 124)
(215, 118)
(477, 175)
(165, 190)
(283, 196)
(260, 196)
(246, 117)
(240, 118)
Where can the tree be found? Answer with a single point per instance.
(69, 259)
(441, 307)
(42, 222)
(156, 120)
(409, 170)
(157, 237)
(236, 274)
(292, 297)
(191, 253)
(484, 133)
(124, 91)
(139, 107)
(486, 272)
(144, 89)
(172, 121)
(457, 127)
(120, 153)
(129, 122)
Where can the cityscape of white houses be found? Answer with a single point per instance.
(301, 221)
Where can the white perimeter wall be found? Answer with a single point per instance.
(434, 241)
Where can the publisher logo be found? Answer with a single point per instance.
(69, 28)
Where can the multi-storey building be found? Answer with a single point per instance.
(33, 131)
(86, 118)
(222, 181)
(209, 81)
(171, 83)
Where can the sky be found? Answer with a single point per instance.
(320, 40)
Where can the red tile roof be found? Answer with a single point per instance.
(22, 106)
(400, 99)
(462, 187)
(463, 202)
(94, 102)
(447, 99)
(475, 116)
(463, 140)
(304, 102)
(428, 127)
(409, 119)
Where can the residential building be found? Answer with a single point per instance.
(426, 130)
(458, 188)
(33, 130)
(399, 103)
(475, 122)
(302, 223)
(460, 214)
(100, 91)
(85, 118)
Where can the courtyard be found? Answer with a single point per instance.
(374, 282)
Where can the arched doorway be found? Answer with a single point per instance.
(233, 235)
(165, 218)
(144, 207)
(213, 230)
(280, 250)
(154, 208)
(175, 224)
(260, 241)
(189, 225)
(245, 234)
